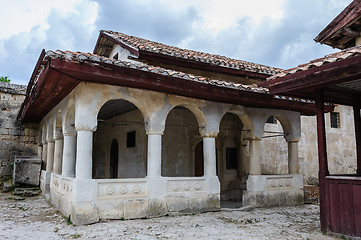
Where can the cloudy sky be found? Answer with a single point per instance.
(278, 33)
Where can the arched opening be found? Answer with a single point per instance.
(114, 154)
(274, 148)
(179, 141)
(120, 142)
(231, 158)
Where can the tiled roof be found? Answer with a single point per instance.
(340, 32)
(141, 44)
(334, 57)
(93, 58)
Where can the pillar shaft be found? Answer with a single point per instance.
(44, 156)
(154, 167)
(50, 156)
(40, 151)
(293, 164)
(84, 152)
(254, 157)
(68, 166)
(209, 155)
(58, 154)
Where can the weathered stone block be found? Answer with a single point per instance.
(84, 214)
(135, 208)
(8, 186)
(156, 207)
(111, 209)
(27, 170)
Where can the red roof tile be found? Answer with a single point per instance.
(334, 57)
(213, 59)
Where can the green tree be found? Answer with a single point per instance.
(5, 79)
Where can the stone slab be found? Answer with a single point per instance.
(27, 170)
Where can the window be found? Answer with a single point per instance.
(131, 139)
(272, 120)
(335, 120)
(231, 158)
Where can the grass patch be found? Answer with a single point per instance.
(75, 236)
(68, 220)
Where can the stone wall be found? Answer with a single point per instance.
(341, 145)
(14, 138)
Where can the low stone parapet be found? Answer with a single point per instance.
(274, 190)
(88, 201)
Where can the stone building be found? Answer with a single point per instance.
(142, 129)
(14, 138)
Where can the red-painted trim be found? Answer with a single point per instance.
(357, 121)
(318, 77)
(322, 158)
(121, 76)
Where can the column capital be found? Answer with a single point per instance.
(58, 135)
(253, 138)
(69, 133)
(85, 129)
(154, 132)
(209, 135)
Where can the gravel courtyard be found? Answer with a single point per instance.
(34, 218)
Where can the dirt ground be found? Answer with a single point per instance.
(34, 218)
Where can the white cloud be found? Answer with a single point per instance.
(219, 15)
(22, 16)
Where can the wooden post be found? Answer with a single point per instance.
(322, 158)
(357, 120)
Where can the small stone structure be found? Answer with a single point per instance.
(27, 170)
(15, 139)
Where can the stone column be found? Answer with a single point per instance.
(69, 154)
(154, 167)
(293, 165)
(254, 157)
(50, 155)
(84, 152)
(58, 152)
(209, 155)
(40, 150)
(244, 159)
(44, 155)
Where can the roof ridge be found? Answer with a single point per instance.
(143, 44)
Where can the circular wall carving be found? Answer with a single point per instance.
(136, 189)
(123, 189)
(109, 190)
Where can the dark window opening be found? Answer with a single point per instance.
(114, 153)
(272, 120)
(131, 139)
(231, 158)
(335, 120)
